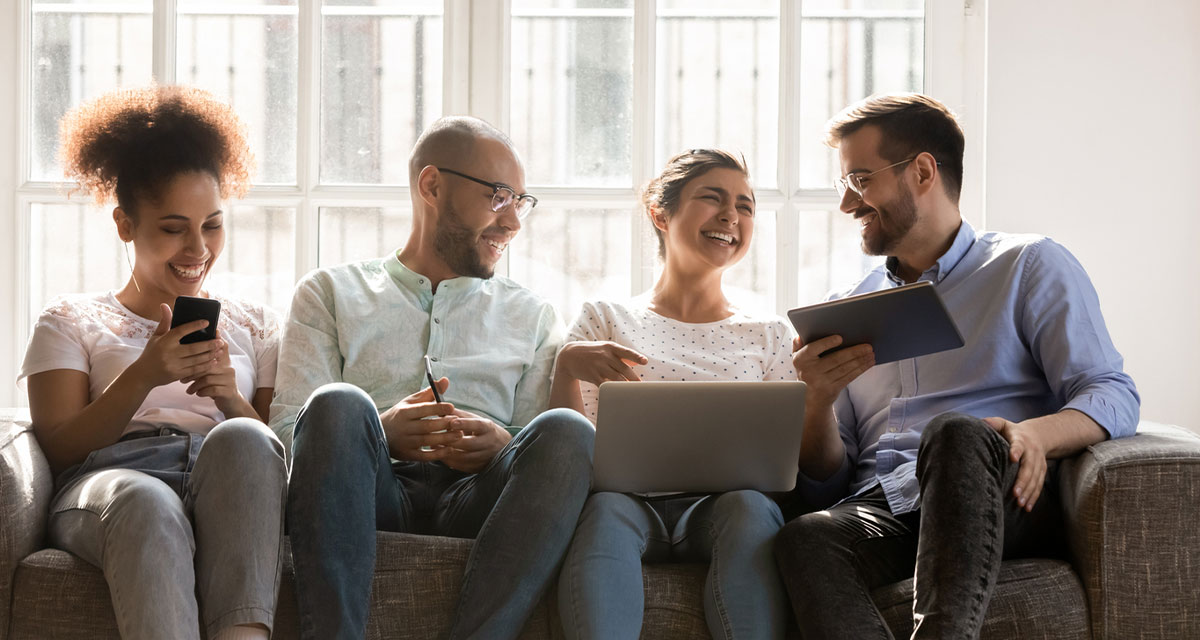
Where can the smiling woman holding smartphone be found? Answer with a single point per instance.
(168, 480)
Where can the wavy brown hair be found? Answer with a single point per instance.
(129, 144)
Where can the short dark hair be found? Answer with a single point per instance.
(911, 123)
(129, 144)
(663, 193)
(448, 141)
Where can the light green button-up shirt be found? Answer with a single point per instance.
(370, 324)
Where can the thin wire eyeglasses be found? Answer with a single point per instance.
(852, 182)
(502, 194)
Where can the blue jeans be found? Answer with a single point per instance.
(521, 509)
(600, 593)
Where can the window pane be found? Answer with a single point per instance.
(572, 255)
(349, 234)
(259, 260)
(245, 53)
(80, 51)
(849, 51)
(572, 91)
(751, 283)
(75, 249)
(831, 254)
(381, 84)
(718, 81)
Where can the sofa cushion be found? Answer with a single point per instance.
(1035, 598)
(416, 582)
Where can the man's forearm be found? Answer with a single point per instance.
(1067, 432)
(821, 448)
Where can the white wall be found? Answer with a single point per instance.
(1093, 138)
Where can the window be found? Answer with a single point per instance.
(596, 94)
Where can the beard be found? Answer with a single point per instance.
(456, 244)
(892, 224)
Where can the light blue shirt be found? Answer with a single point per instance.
(371, 323)
(1036, 344)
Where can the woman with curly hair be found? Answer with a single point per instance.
(168, 480)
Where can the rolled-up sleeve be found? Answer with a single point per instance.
(1070, 342)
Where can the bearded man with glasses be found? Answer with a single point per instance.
(945, 464)
(375, 448)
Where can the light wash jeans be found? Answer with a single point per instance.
(600, 592)
(521, 509)
(180, 524)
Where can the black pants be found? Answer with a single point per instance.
(969, 520)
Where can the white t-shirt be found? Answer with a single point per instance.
(740, 347)
(96, 334)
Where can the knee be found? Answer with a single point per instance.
(810, 534)
(954, 432)
(329, 410)
(562, 433)
(746, 509)
(249, 446)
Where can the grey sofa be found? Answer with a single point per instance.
(1132, 507)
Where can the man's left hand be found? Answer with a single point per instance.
(1026, 449)
(482, 440)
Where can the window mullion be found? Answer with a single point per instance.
(165, 29)
(308, 129)
(456, 57)
(645, 17)
(787, 221)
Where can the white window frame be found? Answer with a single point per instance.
(476, 81)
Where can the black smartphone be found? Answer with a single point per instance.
(437, 397)
(188, 309)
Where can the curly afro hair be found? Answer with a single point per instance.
(131, 143)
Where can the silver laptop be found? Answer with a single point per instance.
(697, 436)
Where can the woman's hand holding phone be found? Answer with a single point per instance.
(164, 360)
(219, 382)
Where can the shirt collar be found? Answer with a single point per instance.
(414, 281)
(945, 264)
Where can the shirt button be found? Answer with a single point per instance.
(421, 280)
(436, 321)
(434, 359)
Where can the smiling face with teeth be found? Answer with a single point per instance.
(176, 238)
(469, 237)
(713, 223)
(886, 211)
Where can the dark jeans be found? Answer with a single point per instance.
(831, 560)
(522, 508)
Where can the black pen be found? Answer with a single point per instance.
(437, 397)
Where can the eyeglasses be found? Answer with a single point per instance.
(502, 195)
(853, 181)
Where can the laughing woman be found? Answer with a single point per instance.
(702, 208)
(168, 480)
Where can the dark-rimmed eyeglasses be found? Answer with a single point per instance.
(853, 181)
(502, 195)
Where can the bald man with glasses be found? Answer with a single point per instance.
(374, 448)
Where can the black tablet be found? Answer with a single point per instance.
(904, 322)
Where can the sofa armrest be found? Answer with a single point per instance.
(1132, 510)
(26, 487)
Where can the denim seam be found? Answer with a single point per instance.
(714, 571)
(862, 591)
